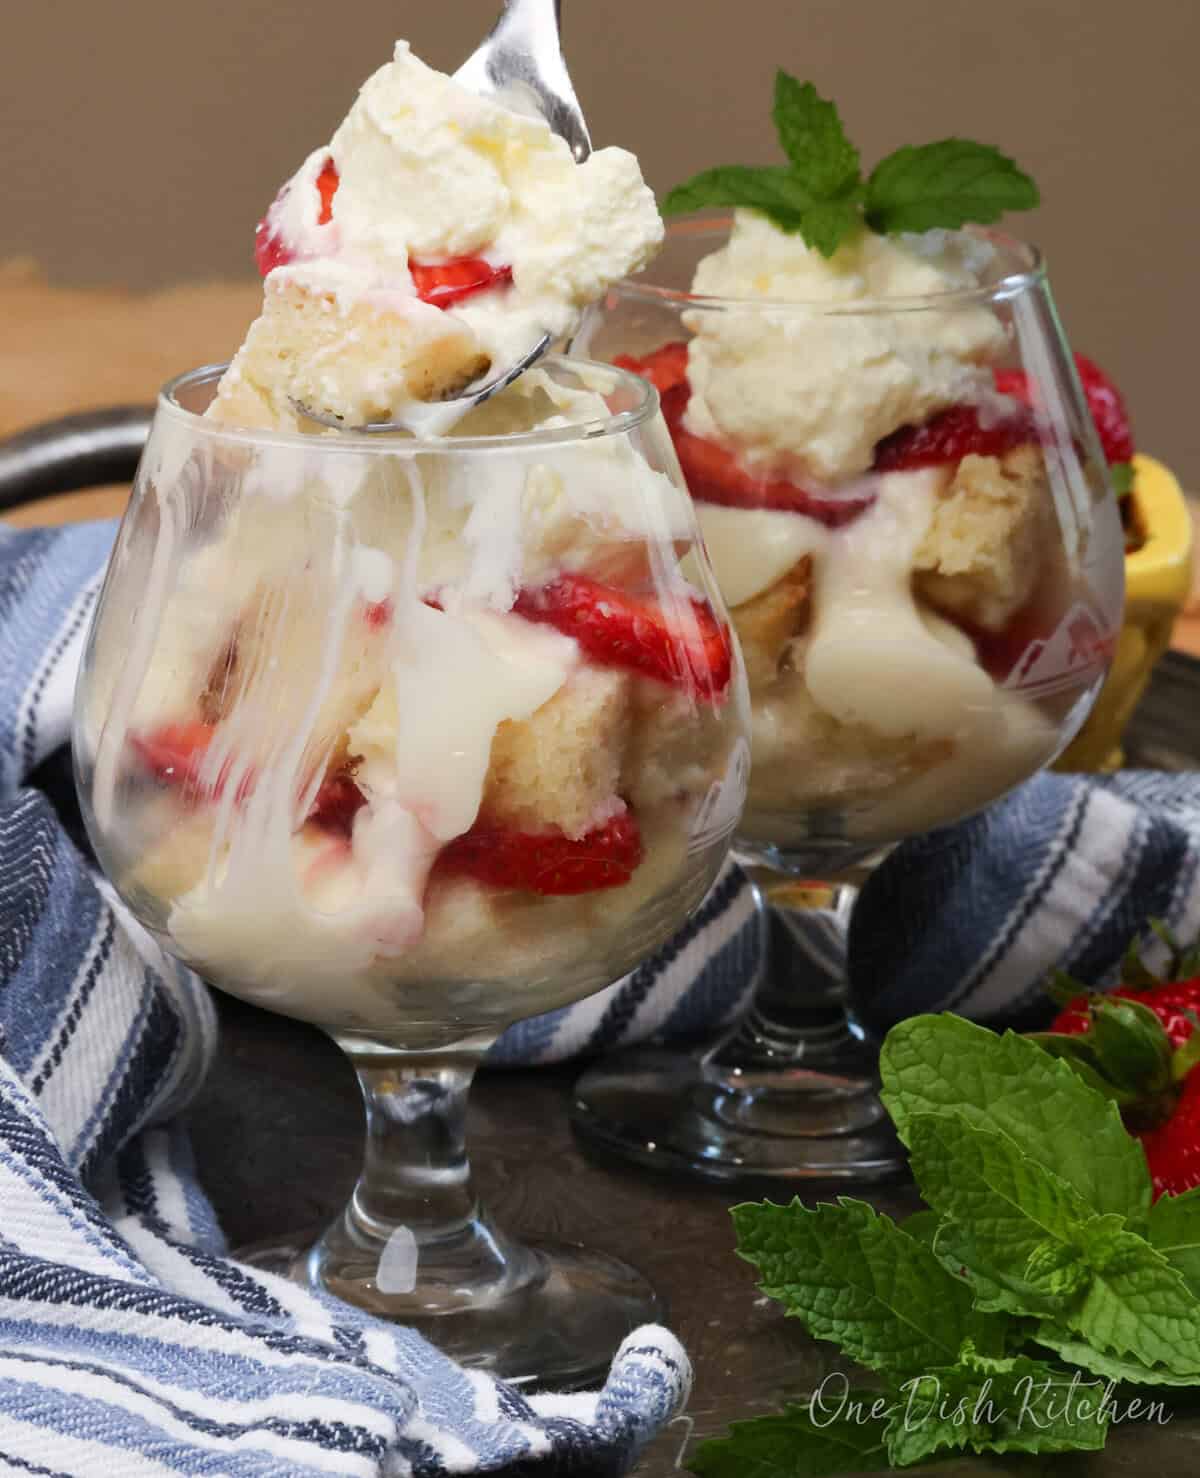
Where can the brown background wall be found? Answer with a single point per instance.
(140, 139)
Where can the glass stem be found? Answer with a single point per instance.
(413, 1238)
(797, 1019)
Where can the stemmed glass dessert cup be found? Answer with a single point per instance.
(411, 740)
(919, 637)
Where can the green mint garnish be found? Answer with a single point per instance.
(1174, 1228)
(794, 1444)
(820, 193)
(996, 1319)
(1007, 1084)
(906, 1311)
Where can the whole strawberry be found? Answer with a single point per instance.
(1139, 1045)
(1104, 401)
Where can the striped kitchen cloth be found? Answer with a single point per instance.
(1062, 874)
(130, 1344)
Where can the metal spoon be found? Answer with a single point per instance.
(520, 60)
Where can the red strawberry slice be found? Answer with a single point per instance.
(270, 249)
(327, 182)
(664, 368)
(1104, 401)
(549, 862)
(175, 753)
(337, 803)
(715, 475)
(949, 437)
(445, 283)
(688, 648)
(440, 283)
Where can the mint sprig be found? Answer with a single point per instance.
(997, 1319)
(820, 193)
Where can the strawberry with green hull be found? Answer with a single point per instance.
(1138, 1045)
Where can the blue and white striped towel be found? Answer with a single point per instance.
(130, 1344)
(1062, 874)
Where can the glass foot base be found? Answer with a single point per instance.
(560, 1328)
(674, 1111)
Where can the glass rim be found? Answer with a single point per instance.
(615, 423)
(701, 223)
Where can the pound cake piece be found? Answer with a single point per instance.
(354, 358)
(766, 623)
(981, 556)
(562, 765)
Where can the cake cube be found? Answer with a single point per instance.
(766, 623)
(356, 360)
(982, 554)
(562, 765)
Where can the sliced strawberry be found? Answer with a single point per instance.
(949, 437)
(714, 475)
(327, 182)
(446, 283)
(665, 368)
(270, 249)
(377, 613)
(337, 803)
(690, 650)
(1104, 401)
(175, 752)
(549, 862)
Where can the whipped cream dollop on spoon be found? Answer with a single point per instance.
(438, 245)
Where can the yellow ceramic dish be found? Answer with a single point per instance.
(1158, 577)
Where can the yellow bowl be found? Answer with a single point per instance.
(1158, 577)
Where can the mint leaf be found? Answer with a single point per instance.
(826, 225)
(1007, 1217)
(854, 1277)
(813, 138)
(922, 1225)
(933, 1064)
(1121, 475)
(774, 190)
(793, 1445)
(1109, 1367)
(1137, 1306)
(1173, 1227)
(1014, 1405)
(945, 184)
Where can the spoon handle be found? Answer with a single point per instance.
(524, 50)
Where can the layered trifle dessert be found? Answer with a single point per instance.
(416, 736)
(902, 542)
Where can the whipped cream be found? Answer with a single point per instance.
(805, 391)
(429, 172)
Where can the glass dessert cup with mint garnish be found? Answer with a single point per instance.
(412, 740)
(909, 516)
